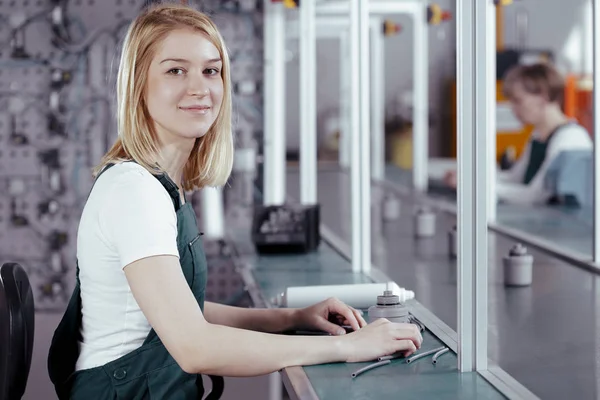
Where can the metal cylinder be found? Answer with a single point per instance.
(391, 208)
(389, 307)
(424, 223)
(518, 267)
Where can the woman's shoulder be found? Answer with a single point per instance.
(573, 134)
(129, 179)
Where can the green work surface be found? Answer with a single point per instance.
(420, 379)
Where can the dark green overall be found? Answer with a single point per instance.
(537, 155)
(148, 372)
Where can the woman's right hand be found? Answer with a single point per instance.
(381, 338)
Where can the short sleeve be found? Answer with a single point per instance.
(139, 219)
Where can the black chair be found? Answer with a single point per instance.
(16, 331)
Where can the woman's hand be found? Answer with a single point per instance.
(381, 338)
(450, 178)
(328, 316)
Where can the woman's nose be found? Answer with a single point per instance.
(198, 87)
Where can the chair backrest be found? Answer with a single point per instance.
(17, 318)
(571, 174)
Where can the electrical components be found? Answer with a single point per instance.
(389, 307)
(51, 174)
(390, 28)
(424, 222)
(286, 229)
(435, 15)
(17, 21)
(518, 266)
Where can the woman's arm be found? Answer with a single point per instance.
(516, 173)
(263, 320)
(198, 346)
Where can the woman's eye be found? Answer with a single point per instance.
(175, 71)
(211, 71)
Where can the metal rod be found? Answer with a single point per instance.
(274, 101)
(365, 137)
(439, 354)
(370, 367)
(377, 100)
(596, 102)
(382, 7)
(465, 59)
(476, 98)
(420, 101)
(485, 122)
(345, 77)
(355, 136)
(424, 354)
(308, 100)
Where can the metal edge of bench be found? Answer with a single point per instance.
(572, 257)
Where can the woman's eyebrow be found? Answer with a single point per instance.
(183, 60)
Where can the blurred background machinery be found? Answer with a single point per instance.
(58, 64)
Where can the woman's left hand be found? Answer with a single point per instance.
(328, 316)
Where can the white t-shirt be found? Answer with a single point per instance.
(510, 186)
(128, 216)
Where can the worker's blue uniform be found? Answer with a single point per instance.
(148, 372)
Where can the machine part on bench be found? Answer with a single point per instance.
(424, 354)
(389, 307)
(391, 208)
(286, 229)
(518, 266)
(424, 223)
(439, 354)
(360, 296)
(452, 242)
(370, 367)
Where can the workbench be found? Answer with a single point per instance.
(266, 276)
(545, 336)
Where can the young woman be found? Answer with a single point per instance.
(536, 95)
(137, 324)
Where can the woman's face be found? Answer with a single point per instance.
(184, 89)
(528, 108)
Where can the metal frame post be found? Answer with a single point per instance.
(596, 102)
(421, 101)
(308, 106)
(274, 179)
(377, 52)
(359, 113)
(476, 107)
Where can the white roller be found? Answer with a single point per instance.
(213, 213)
(361, 296)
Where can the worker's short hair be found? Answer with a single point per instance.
(211, 159)
(539, 79)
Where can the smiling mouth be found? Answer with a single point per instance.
(196, 109)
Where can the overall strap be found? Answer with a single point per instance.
(171, 188)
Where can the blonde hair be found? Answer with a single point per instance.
(539, 79)
(211, 159)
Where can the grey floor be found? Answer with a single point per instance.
(546, 336)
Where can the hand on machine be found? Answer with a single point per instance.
(363, 342)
